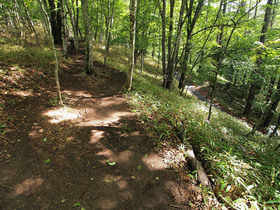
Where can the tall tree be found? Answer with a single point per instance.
(73, 23)
(162, 12)
(193, 14)
(109, 25)
(88, 39)
(255, 86)
(55, 20)
(169, 77)
(63, 28)
(275, 102)
(48, 26)
(30, 21)
(132, 8)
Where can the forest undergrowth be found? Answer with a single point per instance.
(244, 170)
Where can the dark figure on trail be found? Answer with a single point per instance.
(72, 44)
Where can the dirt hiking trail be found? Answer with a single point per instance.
(91, 153)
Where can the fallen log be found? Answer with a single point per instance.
(196, 165)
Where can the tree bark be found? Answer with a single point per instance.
(48, 26)
(101, 25)
(274, 106)
(88, 39)
(55, 20)
(192, 19)
(276, 128)
(219, 60)
(254, 85)
(163, 36)
(132, 8)
(63, 29)
(75, 32)
(167, 83)
(109, 25)
(31, 23)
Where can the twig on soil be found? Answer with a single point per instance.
(175, 206)
(1, 184)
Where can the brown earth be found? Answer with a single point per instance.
(91, 153)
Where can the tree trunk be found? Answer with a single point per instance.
(133, 7)
(97, 25)
(276, 128)
(273, 15)
(31, 23)
(48, 26)
(254, 85)
(191, 23)
(219, 60)
(17, 17)
(163, 36)
(55, 20)
(75, 32)
(101, 24)
(251, 96)
(109, 25)
(256, 10)
(63, 28)
(167, 83)
(274, 106)
(77, 20)
(88, 39)
(270, 89)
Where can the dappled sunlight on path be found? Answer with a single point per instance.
(91, 151)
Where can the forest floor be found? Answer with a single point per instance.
(91, 153)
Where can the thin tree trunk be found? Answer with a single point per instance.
(222, 58)
(274, 106)
(48, 26)
(218, 70)
(63, 28)
(167, 83)
(191, 23)
(10, 20)
(77, 20)
(254, 85)
(256, 10)
(97, 26)
(219, 61)
(101, 24)
(163, 36)
(276, 128)
(88, 39)
(273, 15)
(31, 23)
(17, 17)
(76, 43)
(133, 7)
(109, 25)
(270, 89)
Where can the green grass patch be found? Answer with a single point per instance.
(244, 170)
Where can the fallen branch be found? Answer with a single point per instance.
(202, 177)
(1, 184)
(196, 165)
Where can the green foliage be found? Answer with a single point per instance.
(245, 171)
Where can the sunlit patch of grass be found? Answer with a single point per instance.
(245, 170)
(35, 57)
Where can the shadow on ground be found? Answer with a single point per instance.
(91, 153)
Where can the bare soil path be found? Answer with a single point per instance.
(92, 153)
